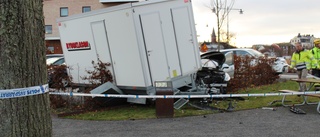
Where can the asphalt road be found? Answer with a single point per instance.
(248, 123)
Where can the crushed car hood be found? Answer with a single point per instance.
(214, 55)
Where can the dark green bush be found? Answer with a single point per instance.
(250, 72)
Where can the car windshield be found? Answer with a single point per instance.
(59, 62)
(54, 55)
(255, 53)
(52, 60)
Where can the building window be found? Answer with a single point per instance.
(305, 40)
(86, 9)
(64, 12)
(48, 29)
(50, 50)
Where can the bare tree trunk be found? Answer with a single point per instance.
(221, 9)
(218, 22)
(22, 64)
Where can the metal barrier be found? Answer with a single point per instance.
(183, 96)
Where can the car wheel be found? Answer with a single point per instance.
(285, 69)
(64, 82)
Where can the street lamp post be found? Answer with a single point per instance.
(228, 10)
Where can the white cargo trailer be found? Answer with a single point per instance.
(145, 42)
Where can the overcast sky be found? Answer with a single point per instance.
(263, 21)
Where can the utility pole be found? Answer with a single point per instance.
(229, 9)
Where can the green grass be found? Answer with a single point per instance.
(258, 102)
(121, 113)
(149, 112)
(135, 112)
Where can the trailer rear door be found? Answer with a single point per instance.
(184, 39)
(154, 42)
(102, 45)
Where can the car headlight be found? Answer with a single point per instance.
(226, 77)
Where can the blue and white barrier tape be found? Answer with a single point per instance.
(182, 96)
(22, 92)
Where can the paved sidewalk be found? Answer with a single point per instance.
(248, 123)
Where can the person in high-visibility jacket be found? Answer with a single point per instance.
(316, 54)
(302, 60)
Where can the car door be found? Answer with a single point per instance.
(228, 66)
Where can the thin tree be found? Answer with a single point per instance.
(22, 64)
(226, 36)
(221, 9)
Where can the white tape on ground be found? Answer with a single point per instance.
(22, 92)
(182, 96)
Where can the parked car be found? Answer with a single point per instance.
(55, 61)
(211, 75)
(53, 55)
(280, 65)
(57, 72)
